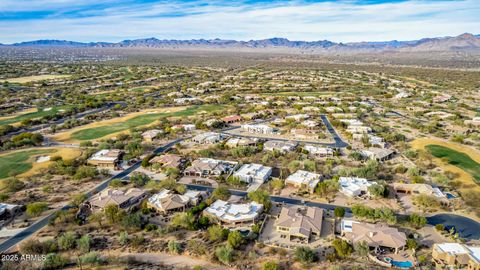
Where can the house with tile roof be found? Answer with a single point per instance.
(374, 235)
(122, 198)
(299, 224)
(456, 256)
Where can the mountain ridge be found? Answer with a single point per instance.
(464, 41)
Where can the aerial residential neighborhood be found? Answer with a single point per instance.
(349, 141)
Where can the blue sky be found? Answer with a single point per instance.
(340, 21)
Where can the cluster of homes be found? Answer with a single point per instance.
(167, 202)
(305, 129)
(295, 225)
(359, 131)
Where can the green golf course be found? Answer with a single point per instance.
(141, 120)
(458, 159)
(32, 115)
(19, 162)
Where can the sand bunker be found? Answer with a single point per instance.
(41, 159)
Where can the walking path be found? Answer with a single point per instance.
(177, 261)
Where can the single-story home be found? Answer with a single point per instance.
(281, 146)
(208, 166)
(354, 186)
(234, 213)
(374, 235)
(122, 198)
(303, 179)
(253, 173)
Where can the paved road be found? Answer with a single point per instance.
(339, 143)
(467, 228)
(14, 240)
(276, 199)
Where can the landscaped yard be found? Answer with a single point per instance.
(23, 161)
(100, 130)
(458, 159)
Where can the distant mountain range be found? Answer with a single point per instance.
(458, 43)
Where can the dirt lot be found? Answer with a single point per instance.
(35, 78)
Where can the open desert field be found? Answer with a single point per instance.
(37, 78)
(26, 162)
(112, 127)
(462, 159)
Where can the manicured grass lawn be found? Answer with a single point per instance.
(32, 115)
(141, 120)
(18, 162)
(459, 159)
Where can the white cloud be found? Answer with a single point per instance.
(337, 21)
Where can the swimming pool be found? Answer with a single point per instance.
(405, 264)
(450, 196)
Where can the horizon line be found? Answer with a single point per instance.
(238, 40)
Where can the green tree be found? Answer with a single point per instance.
(84, 172)
(13, 184)
(185, 220)
(224, 254)
(111, 212)
(116, 183)
(174, 247)
(78, 199)
(67, 241)
(277, 184)
(339, 212)
(91, 258)
(54, 261)
(440, 227)
(362, 249)
(139, 179)
(123, 238)
(376, 190)
(132, 221)
(417, 221)
(305, 255)
(235, 239)
(310, 165)
(271, 265)
(217, 233)
(342, 248)
(411, 244)
(97, 217)
(36, 208)
(262, 197)
(294, 166)
(197, 247)
(327, 188)
(83, 243)
(221, 193)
